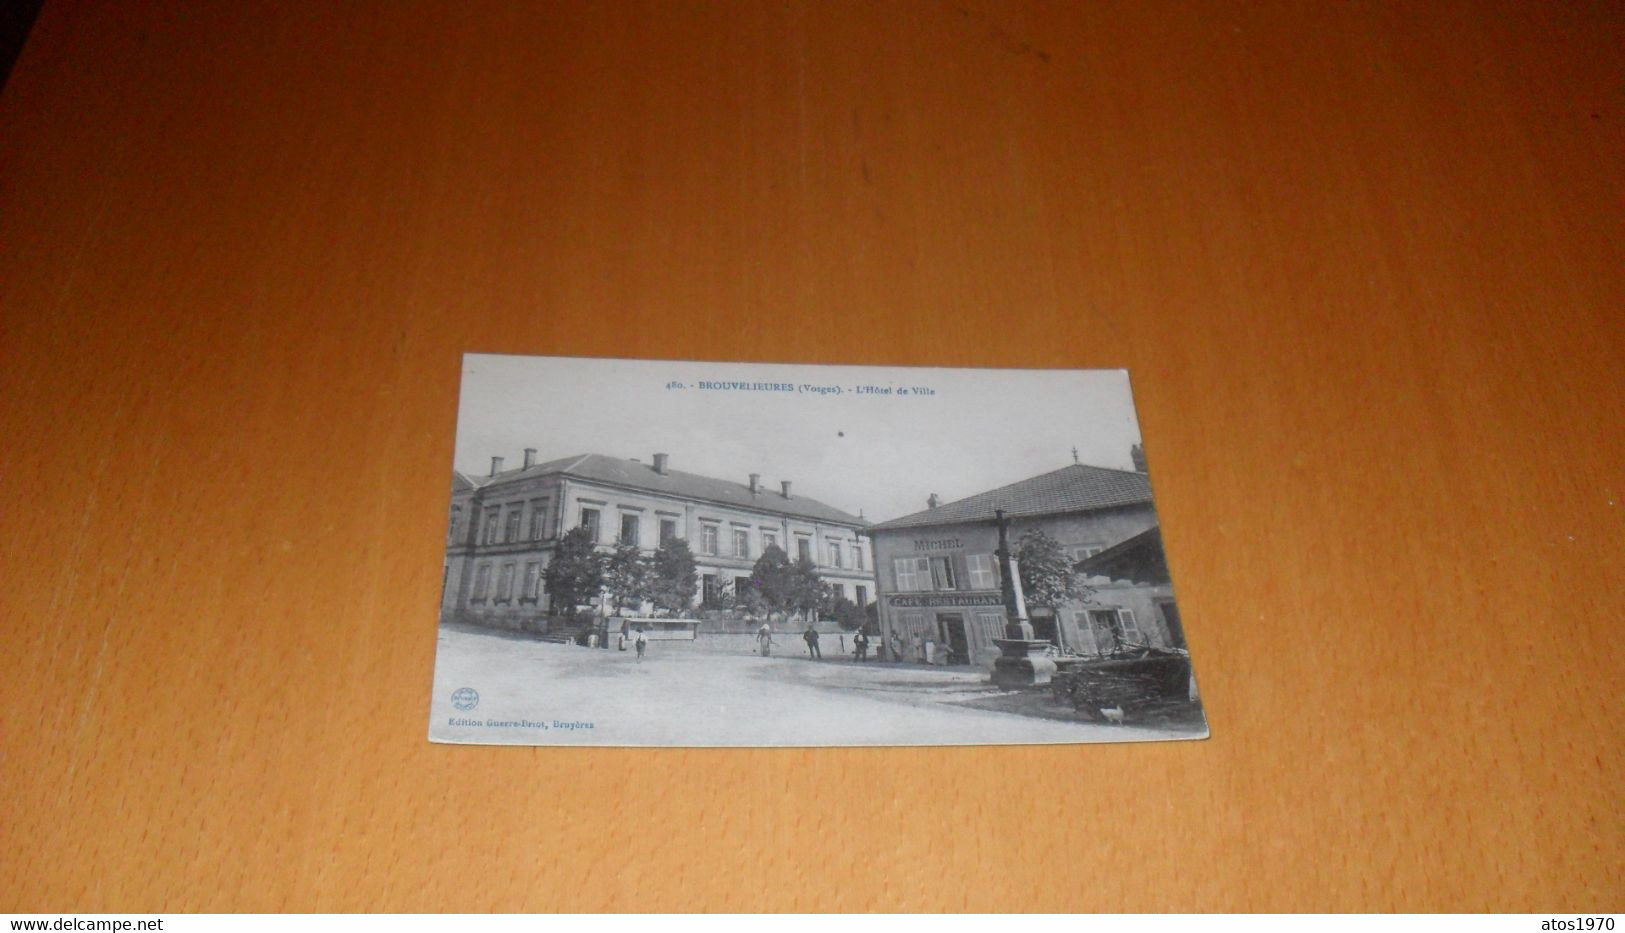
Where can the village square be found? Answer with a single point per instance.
(608, 600)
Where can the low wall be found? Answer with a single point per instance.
(660, 629)
(830, 646)
(778, 627)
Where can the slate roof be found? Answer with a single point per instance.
(1073, 488)
(637, 475)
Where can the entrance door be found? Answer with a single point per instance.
(952, 627)
(1043, 624)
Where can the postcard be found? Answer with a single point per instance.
(671, 553)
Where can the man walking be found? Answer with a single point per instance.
(811, 638)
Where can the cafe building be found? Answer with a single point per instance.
(939, 576)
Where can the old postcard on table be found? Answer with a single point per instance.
(659, 553)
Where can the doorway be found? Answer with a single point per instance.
(952, 627)
(1044, 627)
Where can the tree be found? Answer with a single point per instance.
(808, 594)
(628, 578)
(1047, 576)
(672, 585)
(772, 582)
(848, 614)
(576, 573)
(751, 601)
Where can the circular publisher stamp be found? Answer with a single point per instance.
(465, 698)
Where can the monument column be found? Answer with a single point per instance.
(1016, 625)
(1023, 661)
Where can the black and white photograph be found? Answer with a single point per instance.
(673, 553)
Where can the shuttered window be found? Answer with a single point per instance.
(913, 574)
(982, 575)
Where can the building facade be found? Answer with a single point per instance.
(505, 526)
(1136, 570)
(939, 577)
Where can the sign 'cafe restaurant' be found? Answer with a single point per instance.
(938, 571)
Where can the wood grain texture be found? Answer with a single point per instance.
(1363, 261)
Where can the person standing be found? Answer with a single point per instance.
(860, 642)
(764, 638)
(641, 639)
(811, 637)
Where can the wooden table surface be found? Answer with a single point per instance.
(1363, 260)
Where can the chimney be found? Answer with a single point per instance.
(530, 457)
(755, 483)
(785, 485)
(496, 465)
(660, 464)
(932, 502)
(1137, 454)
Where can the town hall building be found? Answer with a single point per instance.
(505, 526)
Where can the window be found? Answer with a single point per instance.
(835, 553)
(710, 591)
(769, 539)
(1102, 625)
(538, 519)
(589, 521)
(1118, 626)
(992, 624)
(1079, 552)
(913, 574)
(741, 586)
(1131, 631)
(629, 529)
(516, 515)
(456, 519)
(532, 589)
(804, 548)
(838, 590)
(668, 531)
(741, 542)
(482, 583)
(942, 573)
(857, 555)
(491, 518)
(983, 572)
(708, 539)
(505, 584)
(903, 571)
(862, 595)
